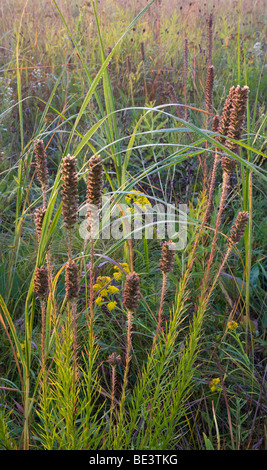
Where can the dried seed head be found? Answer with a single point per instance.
(128, 64)
(41, 162)
(167, 257)
(71, 280)
(185, 76)
(215, 123)
(94, 182)
(209, 87)
(69, 191)
(40, 282)
(238, 229)
(237, 116)
(236, 119)
(114, 359)
(225, 118)
(228, 165)
(131, 292)
(39, 217)
(209, 37)
(142, 50)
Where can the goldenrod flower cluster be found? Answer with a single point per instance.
(118, 273)
(214, 384)
(232, 325)
(105, 289)
(137, 198)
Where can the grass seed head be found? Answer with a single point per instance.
(114, 359)
(238, 228)
(69, 191)
(209, 87)
(71, 280)
(225, 117)
(95, 181)
(167, 257)
(237, 116)
(235, 123)
(215, 123)
(40, 282)
(131, 292)
(39, 217)
(41, 162)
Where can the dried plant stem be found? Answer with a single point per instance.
(43, 313)
(69, 243)
(185, 77)
(212, 186)
(114, 360)
(163, 291)
(208, 101)
(128, 352)
(113, 390)
(209, 39)
(44, 196)
(225, 187)
(91, 281)
(73, 306)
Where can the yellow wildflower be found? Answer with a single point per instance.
(99, 301)
(128, 199)
(103, 280)
(232, 325)
(96, 287)
(125, 266)
(117, 275)
(113, 289)
(112, 305)
(104, 293)
(136, 197)
(213, 385)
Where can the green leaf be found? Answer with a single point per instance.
(208, 443)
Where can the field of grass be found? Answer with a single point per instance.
(111, 110)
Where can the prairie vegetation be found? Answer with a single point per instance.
(108, 111)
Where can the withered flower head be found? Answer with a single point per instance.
(215, 123)
(237, 116)
(238, 228)
(142, 50)
(69, 191)
(167, 257)
(209, 36)
(71, 280)
(128, 64)
(41, 162)
(40, 282)
(39, 217)
(236, 120)
(225, 117)
(209, 87)
(114, 359)
(228, 165)
(94, 182)
(131, 292)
